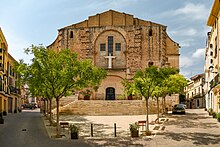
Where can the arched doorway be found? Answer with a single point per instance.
(110, 93)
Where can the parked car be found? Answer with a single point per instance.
(184, 105)
(29, 106)
(179, 108)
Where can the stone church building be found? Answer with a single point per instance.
(121, 44)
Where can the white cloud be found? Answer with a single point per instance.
(185, 62)
(186, 74)
(186, 42)
(184, 32)
(199, 53)
(188, 61)
(192, 11)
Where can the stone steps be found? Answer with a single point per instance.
(103, 107)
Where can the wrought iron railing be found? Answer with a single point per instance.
(215, 81)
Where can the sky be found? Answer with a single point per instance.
(27, 22)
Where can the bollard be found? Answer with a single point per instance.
(91, 130)
(115, 129)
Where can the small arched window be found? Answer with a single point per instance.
(71, 34)
(150, 64)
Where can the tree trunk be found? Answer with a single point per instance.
(58, 116)
(44, 111)
(50, 111)
(158, 110)
(47, 108)
(147, 119)
(164, 105)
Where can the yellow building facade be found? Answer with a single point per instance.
(212, 66)
(10, 100)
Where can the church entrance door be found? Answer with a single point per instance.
(110, 93)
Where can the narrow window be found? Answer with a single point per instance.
(110, 45)
(71, 34)
(211, 53)
(0, 57)
(102, 47)
(117, 46)
(150, 32)
(215, 47)
(211, 61)
(0, 50)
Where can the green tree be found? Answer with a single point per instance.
(55, 74)
(129, 88)
(146, 81)
(162, 89)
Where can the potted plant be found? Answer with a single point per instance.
(4, 113)
(134, 129)
(19, 109)
(218, 117)
(214, 114)
(210, 111)
(1, 119)
(87, 93)
(74, 132)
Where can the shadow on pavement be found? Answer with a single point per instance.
(191, 120)
(196, 138)
(119, 142)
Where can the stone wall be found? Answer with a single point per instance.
(143, 43)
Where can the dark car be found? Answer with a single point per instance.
(179, 108)
(29, 106)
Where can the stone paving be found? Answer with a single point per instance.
(27, 129)
(103, 126)
(195, 128)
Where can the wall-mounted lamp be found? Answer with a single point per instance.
(211, 69)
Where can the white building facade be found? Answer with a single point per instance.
(195, 95)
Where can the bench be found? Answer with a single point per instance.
(64, 125)
(142, 125)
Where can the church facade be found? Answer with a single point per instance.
(121, 44)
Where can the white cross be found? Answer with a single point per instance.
(110, 57)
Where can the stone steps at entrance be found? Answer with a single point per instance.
(65, 101)
(103, 107)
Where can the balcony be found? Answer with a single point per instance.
(14, 90)
(199, 95)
